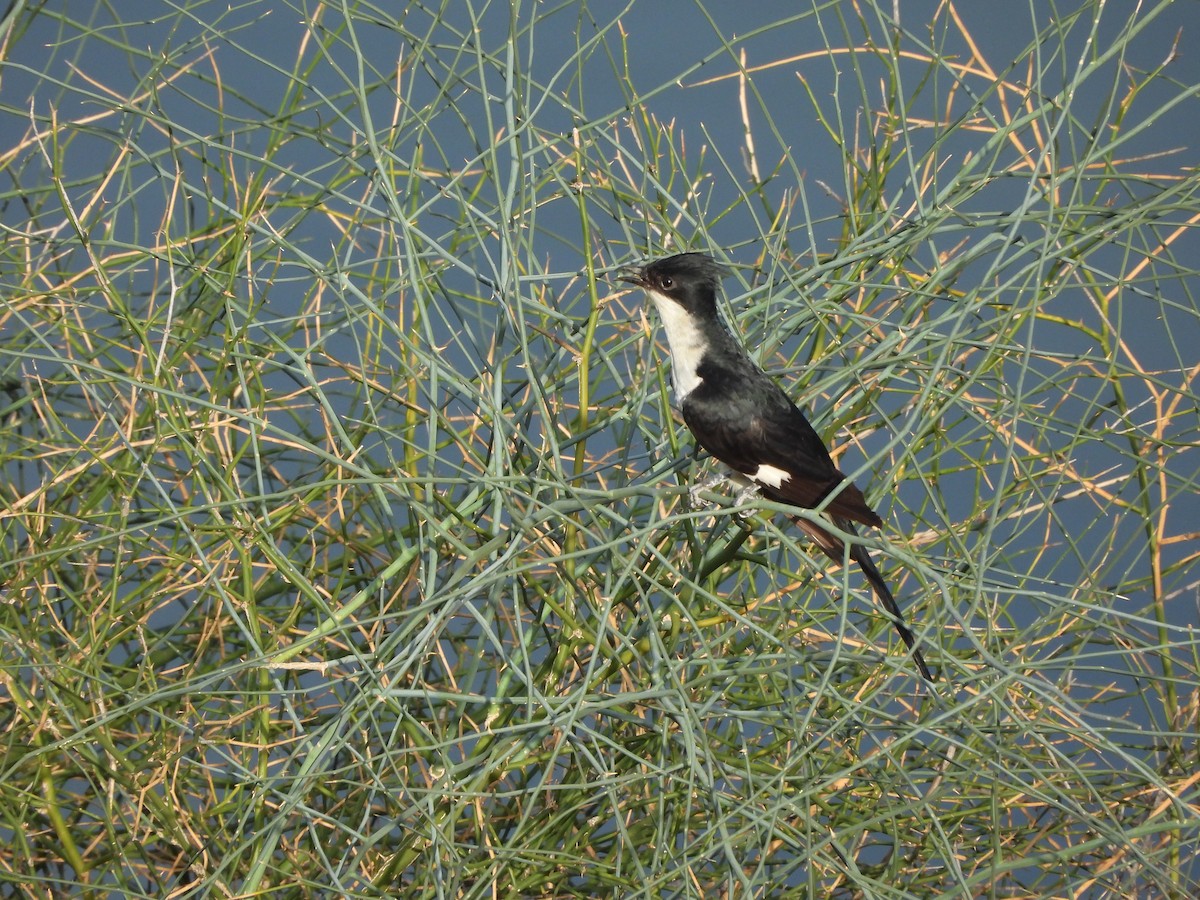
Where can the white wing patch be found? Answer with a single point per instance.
(686, 341)
(771, 476)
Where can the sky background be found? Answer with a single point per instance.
(215, 77)
(410, 208)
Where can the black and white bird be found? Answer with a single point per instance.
(742, 417)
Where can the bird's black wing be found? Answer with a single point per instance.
(746, 421)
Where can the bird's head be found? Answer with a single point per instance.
(689, 280)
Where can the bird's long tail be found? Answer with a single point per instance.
(834, 547)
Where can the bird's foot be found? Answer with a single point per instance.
(698, 502)
(745, 494)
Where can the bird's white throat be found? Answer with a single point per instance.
(687, 343)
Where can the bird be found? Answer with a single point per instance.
(744, 419)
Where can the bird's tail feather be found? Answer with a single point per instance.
(834, 547)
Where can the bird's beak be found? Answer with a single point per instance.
(632, 275)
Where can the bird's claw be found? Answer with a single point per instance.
(698, 502)
(747, 493)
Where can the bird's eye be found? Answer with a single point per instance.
(667, 282)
